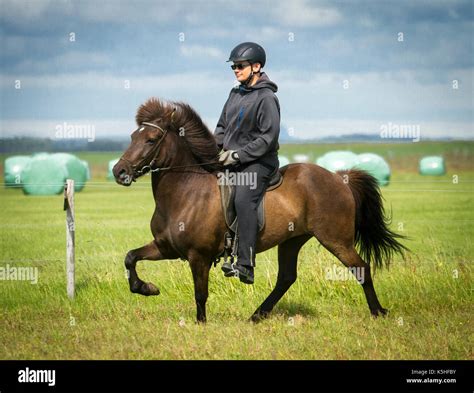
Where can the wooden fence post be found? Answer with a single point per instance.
(70, 238)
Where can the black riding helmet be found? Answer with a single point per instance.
(248, 51)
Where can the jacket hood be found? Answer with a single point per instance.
(263, 83)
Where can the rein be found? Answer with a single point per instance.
(154, 152)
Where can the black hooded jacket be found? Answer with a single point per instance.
(250, 122)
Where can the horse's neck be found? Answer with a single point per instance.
(184, 176)
(179, 153)
(168, 187)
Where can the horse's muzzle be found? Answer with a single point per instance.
(123, 174)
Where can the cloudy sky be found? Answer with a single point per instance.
(342, 67)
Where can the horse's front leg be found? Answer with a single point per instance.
(200, 268)
(150, 252)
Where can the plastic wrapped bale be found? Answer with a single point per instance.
(432, 166)
(301, 158)
(74, 167)
(376, 166)
(44, 175)
(338, 160)
(283, 161)
(12, 170)
(40, 155)
(88, 171)
(110, 175)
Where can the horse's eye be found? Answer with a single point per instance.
(151, 141)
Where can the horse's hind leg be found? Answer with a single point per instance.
(287, 267)
(361, 270)
(150, 252)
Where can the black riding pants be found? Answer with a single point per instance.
(252, 181)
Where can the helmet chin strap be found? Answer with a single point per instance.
(247, 81)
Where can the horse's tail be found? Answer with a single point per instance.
(376, 242)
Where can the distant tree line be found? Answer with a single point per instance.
(33, 145)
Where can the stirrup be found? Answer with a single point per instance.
(228, 268)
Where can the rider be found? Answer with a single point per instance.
(248, 131)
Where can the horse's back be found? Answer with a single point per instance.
(312, 178)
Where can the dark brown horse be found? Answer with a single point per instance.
(341, 210)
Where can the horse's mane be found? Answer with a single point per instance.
(198, 137)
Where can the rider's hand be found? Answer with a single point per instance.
(228, 158)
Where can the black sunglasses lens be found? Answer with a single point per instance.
(238, 66)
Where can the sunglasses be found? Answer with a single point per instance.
(239, 66)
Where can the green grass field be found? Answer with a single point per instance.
(429, 294)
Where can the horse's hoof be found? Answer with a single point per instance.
(258, 317)
(149, 289)
(379, 312)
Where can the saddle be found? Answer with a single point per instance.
(227, 190)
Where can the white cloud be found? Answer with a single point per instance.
(201, 51)
(265, 34)
(42, 12)
(67, 60)
(195, 81)
(408, 91)
(299, 13)
(24, 10)
(130, 12)
(214, 32)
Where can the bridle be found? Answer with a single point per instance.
(154, 153)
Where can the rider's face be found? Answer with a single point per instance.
(243, 72)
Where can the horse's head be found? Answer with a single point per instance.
(167, 133)
(144, 152)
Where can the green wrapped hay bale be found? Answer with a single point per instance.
(40, 155)
(12, 170)
(283, 161)
(88, 171)
(338, 160)
(110, 175)
(74, 167)
(376, 166)
(44, 175)
(432, 166)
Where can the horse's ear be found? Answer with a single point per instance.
(172, 113)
